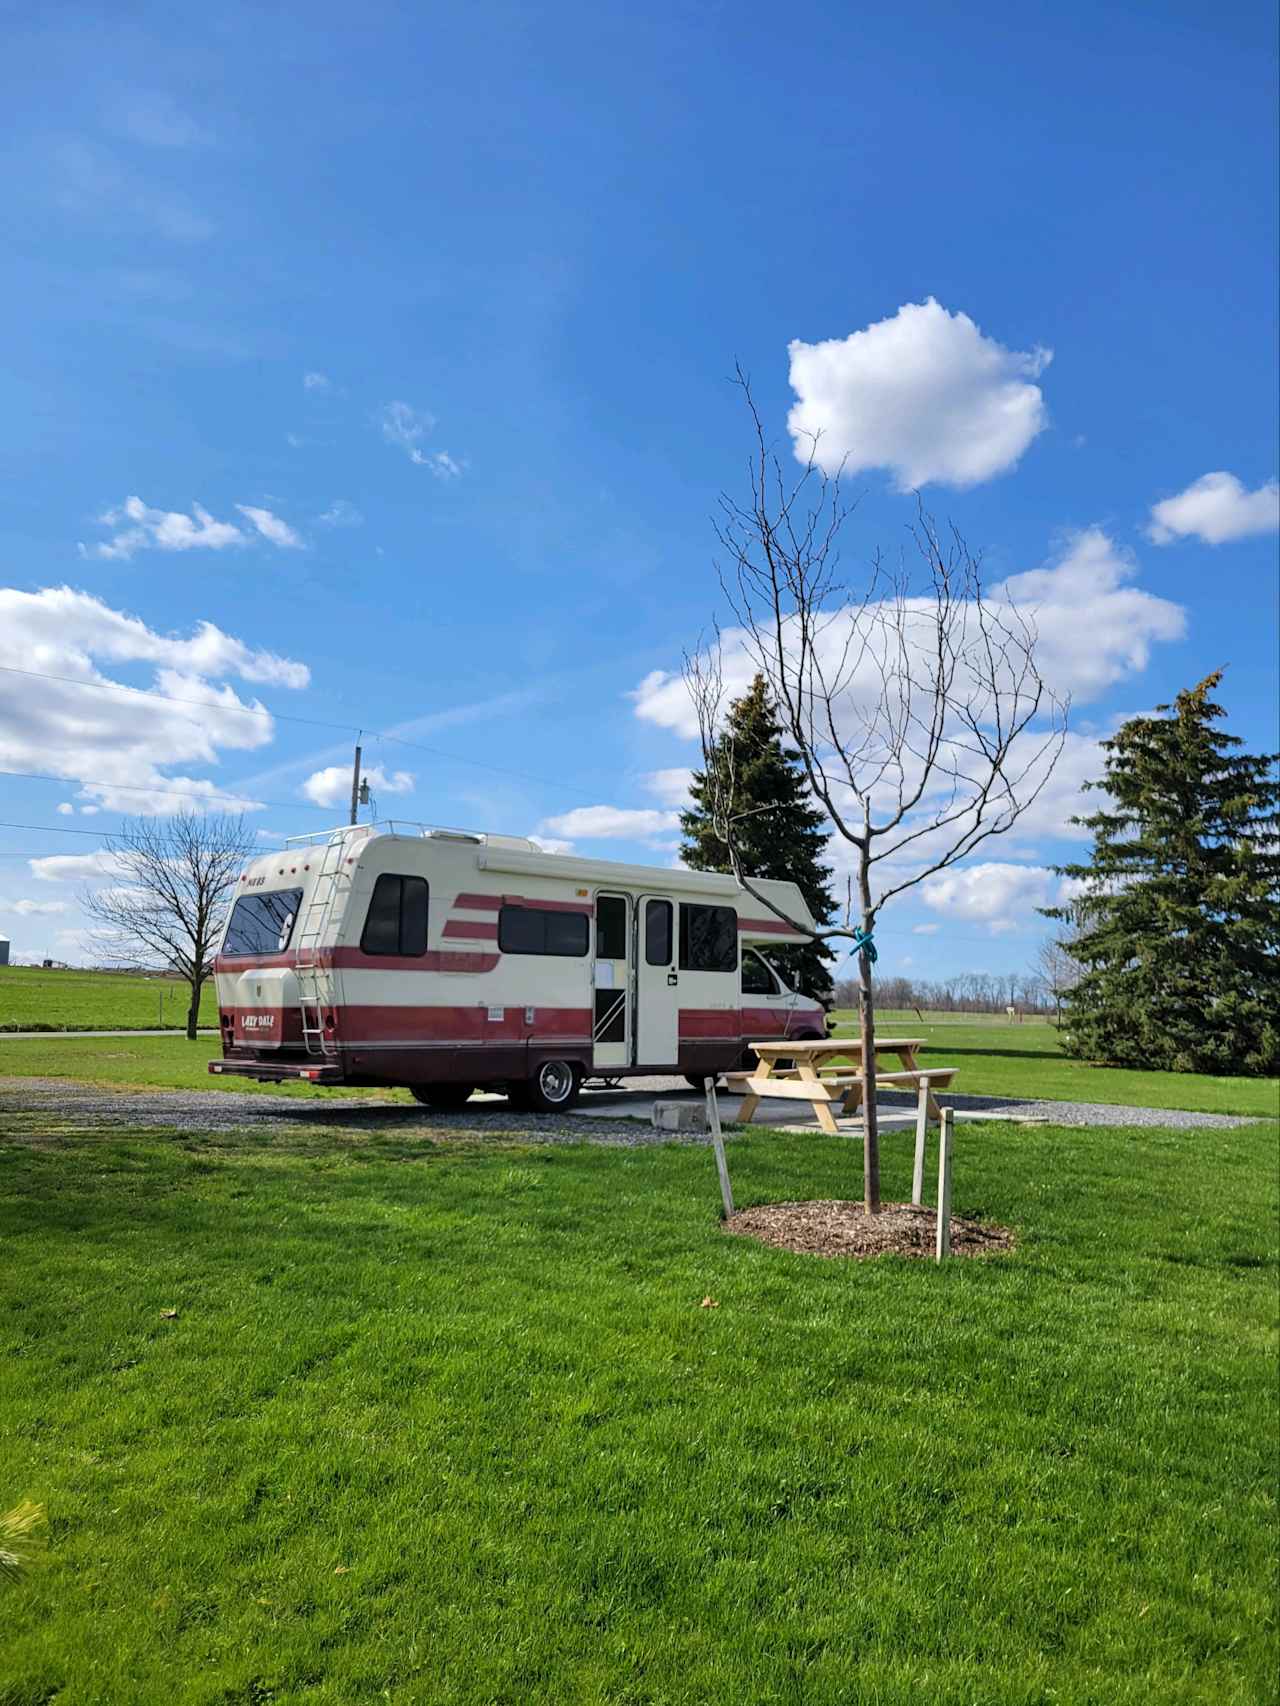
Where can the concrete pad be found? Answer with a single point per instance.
(637, 1102)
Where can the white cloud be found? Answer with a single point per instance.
(34, 908)
(924, 394)
(671, 786)
(66, 809)
(76, 867)
(118, 739)
(925, 929)
(549, 844)
(272, 529)
(332, 786)
(316, 382)
(1216, 508)
(442, 465)
(162, 530)
(1094, 630)
(611, 823)
(405, 427)
(142, 528)
(998, 895)
(340, 513)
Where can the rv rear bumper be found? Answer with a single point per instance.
(272, 1072)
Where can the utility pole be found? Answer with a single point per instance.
(355, 784)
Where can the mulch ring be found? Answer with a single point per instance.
(846, 1229)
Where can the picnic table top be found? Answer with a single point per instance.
(833, 1045)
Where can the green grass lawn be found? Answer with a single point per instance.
(33, 999)
(168, 1063)
(445, 1423)
(1001, 1059)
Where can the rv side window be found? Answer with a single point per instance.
(530, 930)
(757, 979)
(708, 938)
(262, 923)
(657, 933)
(396, 922)
(611, 927)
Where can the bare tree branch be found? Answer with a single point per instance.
(173, 880)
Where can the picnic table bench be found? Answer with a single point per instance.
(812, 1072)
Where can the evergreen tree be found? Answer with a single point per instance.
(786, 841)
(1177, 923)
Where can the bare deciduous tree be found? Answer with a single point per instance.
(1057, 971)
(170, 894)
(923, 722)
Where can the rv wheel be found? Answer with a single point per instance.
(442, 1096)
(553, 1087)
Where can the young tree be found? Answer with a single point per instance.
(1058, 971)
(922, 721)
(172, 886)
(1178, 911)
(780, 832)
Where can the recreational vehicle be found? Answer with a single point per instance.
(385, 954)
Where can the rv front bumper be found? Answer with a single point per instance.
(271, 1072)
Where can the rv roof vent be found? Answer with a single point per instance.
(513, 843)
(455, 835)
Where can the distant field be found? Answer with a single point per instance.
(1023, 1062)
(1001, 1059)
(36, 1000)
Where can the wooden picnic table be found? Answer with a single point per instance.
(816, 1072)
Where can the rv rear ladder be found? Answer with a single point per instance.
(315, 983)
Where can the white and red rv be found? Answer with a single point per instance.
(445, 961)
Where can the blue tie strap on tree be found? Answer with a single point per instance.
(864, 943)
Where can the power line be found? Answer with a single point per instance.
(177, 793)
(288, 717)
(63, 829)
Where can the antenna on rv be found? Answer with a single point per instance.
(355, 781)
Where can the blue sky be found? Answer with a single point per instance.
(432, 312)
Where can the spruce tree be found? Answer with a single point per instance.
(785, 841)
(1177, 923)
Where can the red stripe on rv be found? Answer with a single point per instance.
(475, 930)
(495, 902)
(354, 959)
(411, 1025)
(768, 927)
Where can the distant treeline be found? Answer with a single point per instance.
(967, 992)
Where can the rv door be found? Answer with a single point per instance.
(657, 983)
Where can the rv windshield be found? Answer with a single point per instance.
(262, 923)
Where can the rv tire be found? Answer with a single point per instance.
(553, 1089)
(442, 1096)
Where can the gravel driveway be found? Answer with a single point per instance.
(76, 1104)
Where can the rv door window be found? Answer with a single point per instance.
(530, 930)
(396, 922)
(708, 938)
(657, 933)
(262, 923)
(611, 927)
(757, 979)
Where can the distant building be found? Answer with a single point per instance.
(4, 950)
